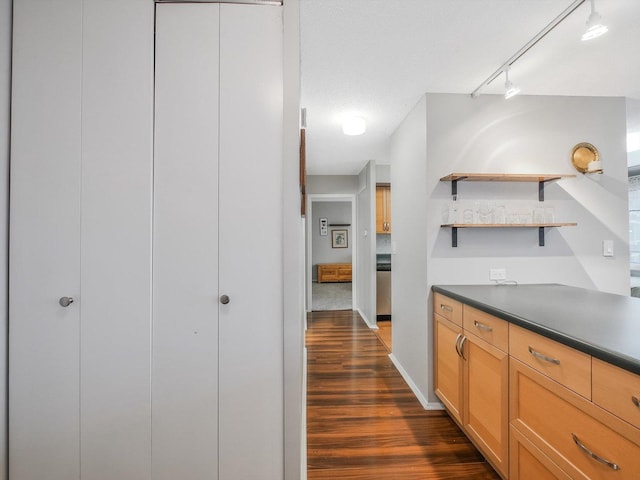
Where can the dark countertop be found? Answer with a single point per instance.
(604, 325)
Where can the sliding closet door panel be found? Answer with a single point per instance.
(185, 250)
(44, 241)
(251, 368)
(117, 143)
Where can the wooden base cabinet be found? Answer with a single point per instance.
(527, 462)
(471, 376)
(535, 408)
(448, 371)
(584, 440)
(486, 400)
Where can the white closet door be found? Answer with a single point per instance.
(117, 159)
(185, 249)
(251, 192)
(44, 396)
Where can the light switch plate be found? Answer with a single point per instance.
(607, 248)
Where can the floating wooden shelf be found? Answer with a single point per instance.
(504, 177)
(541, 179)
(540, 226)
(509, 225)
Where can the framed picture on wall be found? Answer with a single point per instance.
(339, 239)
(323, 227)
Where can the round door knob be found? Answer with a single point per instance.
(224, 299)
(65, 301)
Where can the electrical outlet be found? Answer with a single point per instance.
(497, 274)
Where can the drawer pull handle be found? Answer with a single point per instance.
(446, 308)
(539, 355)
(457, 346)
(464, 339)
(613, 466)
(635, 401)
(482, 326)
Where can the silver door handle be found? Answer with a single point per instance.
(457, 346)
(462, 340)
(224, 299)
(597, 458)
(482, 326)
(65, 301)
(539, 355)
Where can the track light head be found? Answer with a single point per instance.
(510, 89)
(595, 28)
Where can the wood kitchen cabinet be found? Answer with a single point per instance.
(536, 407)
(471, 376)
(485, 407)
(383, 208)
(448, 371)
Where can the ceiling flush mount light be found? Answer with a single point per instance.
(354, 125)
(510, 89)
(595, 28)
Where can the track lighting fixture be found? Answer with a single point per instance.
(595, 28)
(510, 89)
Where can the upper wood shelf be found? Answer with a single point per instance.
(503, 177)
(540, 178)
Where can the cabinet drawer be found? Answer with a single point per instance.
(563, 364)
(565, 426)
(615, 390)
(527, 462)
(491, 329)
(448, 308)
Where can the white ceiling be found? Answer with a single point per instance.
(377, 57)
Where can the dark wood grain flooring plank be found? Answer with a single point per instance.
(363, 421)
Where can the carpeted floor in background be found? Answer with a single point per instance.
(331, 296)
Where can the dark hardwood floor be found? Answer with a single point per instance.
(363, 421)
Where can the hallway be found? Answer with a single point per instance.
(363, 421)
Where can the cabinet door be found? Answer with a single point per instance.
(380, 210)
(383, 209)
(218, 371)
(44, 388)
(251, 258)
(448, 365)
(185, 247)
(486, 400)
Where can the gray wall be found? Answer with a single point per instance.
(409, 289)
(293, 243)
(383, 173)
(365, 262)
(5, 96)
(321, 249)
(332, 184)
(448, 133)
(633, 126)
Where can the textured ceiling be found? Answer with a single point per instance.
(377, 57)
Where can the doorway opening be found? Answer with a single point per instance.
(331, 250)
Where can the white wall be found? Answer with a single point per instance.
(5, 96)
(293, 244)
(383, 173)
(633, 127)
(332, 184)
(409, 289)
(366, 259)
(448, 133)
(321, 248)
